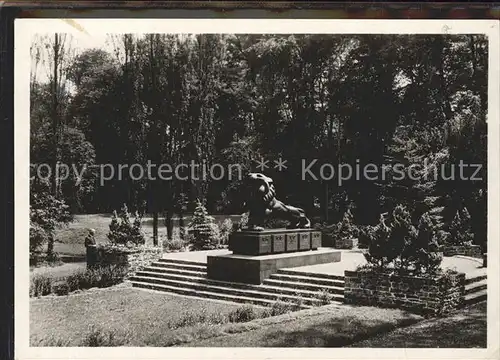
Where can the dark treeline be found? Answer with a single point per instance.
(356, 99)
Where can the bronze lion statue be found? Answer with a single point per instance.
(262, 203)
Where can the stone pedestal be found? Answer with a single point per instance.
(255, 269)
(274, 241)
(258, 254)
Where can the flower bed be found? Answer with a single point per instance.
(424, 295)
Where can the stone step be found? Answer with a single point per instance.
(308, 280)
(225, 288)
(182, 262)
(180, 266)
(476, 297)
(170, 275)
(311, 274)
(304, 286)
(272, 287)
(475, 287)
(474, 279)
(205, 294)
(165, 270)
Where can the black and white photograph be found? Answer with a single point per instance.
(256, 184)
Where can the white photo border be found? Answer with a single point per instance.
(26, 28)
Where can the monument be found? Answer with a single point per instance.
(258, 252)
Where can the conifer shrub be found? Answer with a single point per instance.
(346, 228)
(204, 233)
(461, 228)
(397, 245)
(427, 256)
(379, 254)
(124, 231)
(403, 234)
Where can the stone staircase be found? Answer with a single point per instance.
(190, 278)
(475, 289)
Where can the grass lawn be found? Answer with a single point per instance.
(327, 326)
(69, 240)
(465, 329)
(142, 318)
(135, 317)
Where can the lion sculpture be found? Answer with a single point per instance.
(262, 203)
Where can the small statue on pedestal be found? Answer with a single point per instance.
(262, 203)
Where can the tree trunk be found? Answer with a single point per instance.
(55, 117)
(326, 202)
(155, 228)
(55, 134)
(169, 224)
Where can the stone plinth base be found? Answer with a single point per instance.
(254, 269)
(274, 241)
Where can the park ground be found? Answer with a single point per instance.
(145, 318)
(122, 315)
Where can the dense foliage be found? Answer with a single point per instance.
(414, 100)
(46, 215)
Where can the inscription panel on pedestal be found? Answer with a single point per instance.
(305, 241)
(278, 243)
(316, 239)
(292, 242)
(265, 244)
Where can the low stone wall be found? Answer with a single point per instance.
(421, 295)
(133, 259)
(464, 250)
(346, 243)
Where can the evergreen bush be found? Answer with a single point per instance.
(203, 229)
(402, 235)
(403, 247)
(346, 229)
(461, 228)
(424, 248)
(122, 231)
(379, 252)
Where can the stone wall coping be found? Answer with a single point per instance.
(406, 277)
(125, 250)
